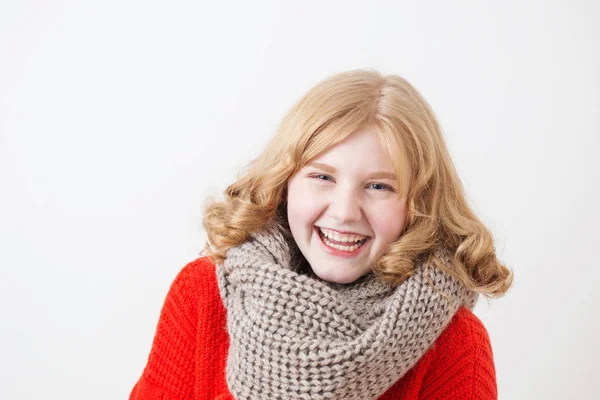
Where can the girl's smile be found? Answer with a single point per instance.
(344, 248)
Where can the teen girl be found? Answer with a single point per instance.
(344, 264)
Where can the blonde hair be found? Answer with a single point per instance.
(438, 213)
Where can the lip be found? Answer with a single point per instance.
(337, 252)
(343, 232)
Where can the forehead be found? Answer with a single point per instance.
(362, 149)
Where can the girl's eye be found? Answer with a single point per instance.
(377, 186)
(320, 176)
(382, 186)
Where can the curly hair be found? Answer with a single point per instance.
(439, 215)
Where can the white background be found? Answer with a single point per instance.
(118, 118)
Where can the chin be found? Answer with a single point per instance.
(334, 278)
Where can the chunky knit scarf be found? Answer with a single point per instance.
(293, 336)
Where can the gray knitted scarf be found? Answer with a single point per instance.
(293, 336)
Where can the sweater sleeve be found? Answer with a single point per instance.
(463, 365)
(169, 372)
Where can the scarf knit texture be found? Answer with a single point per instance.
(189, 352)
(296, 337)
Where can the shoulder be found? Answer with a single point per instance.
(465, 330)
(200, 268)
(196, 274)
(465, 337)
(191, 321)
(462, 357)
(195, 284)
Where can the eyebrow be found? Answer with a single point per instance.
(374, 175)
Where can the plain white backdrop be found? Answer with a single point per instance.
(118, 118)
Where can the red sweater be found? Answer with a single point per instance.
(189, 352)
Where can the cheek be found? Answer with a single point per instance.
(388, 222)
(302, 206)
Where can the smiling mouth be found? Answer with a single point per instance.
(349, 247)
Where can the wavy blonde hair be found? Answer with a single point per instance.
(438, 212)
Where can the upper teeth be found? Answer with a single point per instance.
(340, 237)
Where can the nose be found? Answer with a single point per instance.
(345, 206)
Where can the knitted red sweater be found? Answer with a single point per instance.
(189, 352)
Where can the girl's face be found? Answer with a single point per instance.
(343, 208)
